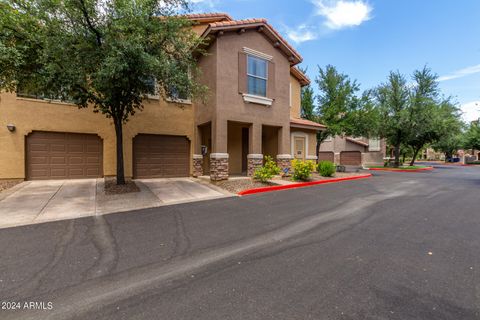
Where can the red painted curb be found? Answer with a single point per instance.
(300, 185)
(400, 170)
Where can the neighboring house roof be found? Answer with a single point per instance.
(306, 124)
(209, 17)
(356, 141)
(261, 25)
(300, 76)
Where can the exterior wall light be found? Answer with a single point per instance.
(11, 127)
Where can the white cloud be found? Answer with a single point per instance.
(341, 14)
(471, 111)
(330, 15)
(461, 73)
(301, 34)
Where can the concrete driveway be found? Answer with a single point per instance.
(40, 201)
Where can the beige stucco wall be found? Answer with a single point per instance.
(296, 93)
(30, 115)
(339, 144)
(311, 140)
(230, 104)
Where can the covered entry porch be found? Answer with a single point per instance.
(234, 148)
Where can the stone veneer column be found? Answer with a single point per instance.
(254, 161)
(284, 161)
(197, 165)
(218, 166)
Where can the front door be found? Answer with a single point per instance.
(299, 148)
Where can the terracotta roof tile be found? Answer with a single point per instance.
(208, 15)
(302, 77)
(305, 122)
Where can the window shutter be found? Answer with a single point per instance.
(242, 72)
(271, 80)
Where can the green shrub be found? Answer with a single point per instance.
(271, 166)
(267, 171)
(326, 168)
(262, 174)
(302, 170)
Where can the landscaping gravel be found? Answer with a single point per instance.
(111, 187)
(237, 185)
(7, 184)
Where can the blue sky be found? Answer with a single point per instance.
(367, 38)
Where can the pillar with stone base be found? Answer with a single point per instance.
(254, 161)
(197, 165)
(218, 166)
(284, 162)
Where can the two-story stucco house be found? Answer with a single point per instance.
(252, 110)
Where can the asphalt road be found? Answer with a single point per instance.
(395, 246)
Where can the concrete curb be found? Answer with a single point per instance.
(300, 185)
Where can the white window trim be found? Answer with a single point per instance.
(292, 142)
(251, 98)
(257, 54)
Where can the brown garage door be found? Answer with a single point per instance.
(350, 158)
(60, 155)
(325, 156)
(159, 156)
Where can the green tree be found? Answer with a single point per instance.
(431, 119)
(307, 103)
(472, 136)
(340, 108)
(449, 144)
(108, 55)
(393, 102)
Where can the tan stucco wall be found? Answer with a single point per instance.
(30, 115)
(311, 138)
(230, 104)
(339, 144)
(296, 97)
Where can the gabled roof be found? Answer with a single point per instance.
(306, 124)
(300, 76)
(214, 28)
(364, 144)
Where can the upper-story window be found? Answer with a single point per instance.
(257, 74)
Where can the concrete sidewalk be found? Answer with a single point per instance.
(40, 201)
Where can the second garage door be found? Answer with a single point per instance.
(350, 158)
(160, 156)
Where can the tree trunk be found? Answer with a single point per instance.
(415, 153)
(120, 166)
(403, 156)
(397, 156)
(317, 149)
